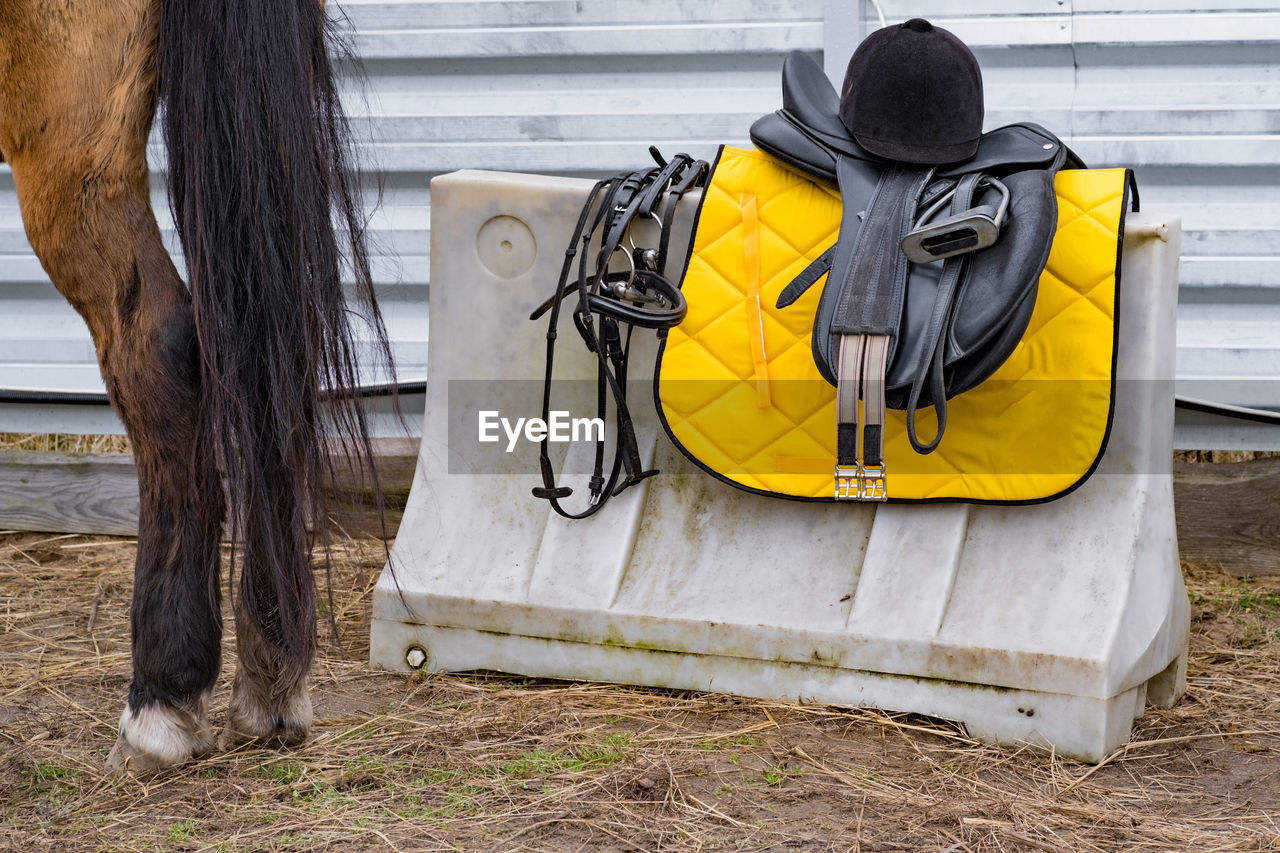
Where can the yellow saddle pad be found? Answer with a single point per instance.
(738, 392)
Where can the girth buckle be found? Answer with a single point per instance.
(872, 485)
(848, 483)
(861, 483)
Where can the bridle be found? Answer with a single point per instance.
(641, 295)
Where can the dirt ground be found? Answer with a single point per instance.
(492, 762)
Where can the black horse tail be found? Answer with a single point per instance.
(264, 202)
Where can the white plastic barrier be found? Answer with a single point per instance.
(1052, 624)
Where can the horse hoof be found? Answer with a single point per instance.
(157, 737)
(252, 717)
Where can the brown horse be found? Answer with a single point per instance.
(224, 381)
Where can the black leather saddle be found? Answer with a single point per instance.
(932, 280)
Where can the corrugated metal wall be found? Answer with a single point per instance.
(1189, 98)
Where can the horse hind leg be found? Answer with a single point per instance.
(78, 159)
(107, 258)
(275, 624)
(270, 700)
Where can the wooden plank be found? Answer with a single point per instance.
(1225, 511)
(68, 493)
(98, 493)
(1227, 515)
(354, 510)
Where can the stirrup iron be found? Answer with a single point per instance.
(967, 231)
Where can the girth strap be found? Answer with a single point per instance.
(871, 273)
(860, 311)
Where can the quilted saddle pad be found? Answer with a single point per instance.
(738, 392)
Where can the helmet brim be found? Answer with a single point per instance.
(929, 155)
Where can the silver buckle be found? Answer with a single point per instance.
(872, 485)
(861, 483)
(848, 483)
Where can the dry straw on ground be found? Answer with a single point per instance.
(62, 443)
(488, 762)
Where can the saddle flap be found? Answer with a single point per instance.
(1003, 276)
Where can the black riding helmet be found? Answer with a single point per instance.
(913, 92)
